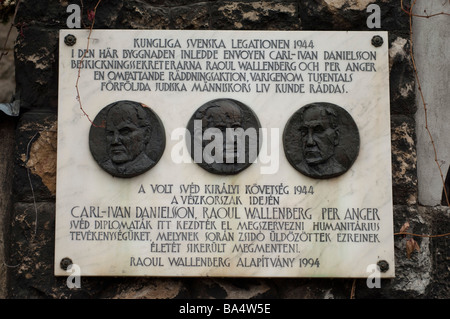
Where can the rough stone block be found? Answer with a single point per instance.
(231, 288)
(404, 160)
(136, 15)
(174, 3)
(402, 80)
(7, 74)
(7, 78)
(106, 14)
(42, 13)
(195, 17)
(35, 172)
(31, 250)
(7, 132)
(413, 274)
(439, 247)
(146, 288)
(266, 15)
(36, 54)
(350, 15)
(314, 288)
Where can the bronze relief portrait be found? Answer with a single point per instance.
(126, 138)
(224, 136)
(321, 140)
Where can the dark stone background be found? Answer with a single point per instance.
(30, 246)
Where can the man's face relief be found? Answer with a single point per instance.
(126, 140)
(228, 120)
(318, 136)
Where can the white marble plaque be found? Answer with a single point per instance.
(269, 220)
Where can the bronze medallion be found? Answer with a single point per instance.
(224, 136)
(321, 140)
(126, 138)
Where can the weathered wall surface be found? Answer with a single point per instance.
(431, 53)
(31, 216)
(7, 74)
(7, 132)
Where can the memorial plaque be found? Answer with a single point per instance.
(224, 153)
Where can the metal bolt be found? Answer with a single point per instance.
(65, 263)
(384, 265)
(377, 41)
(70, 40)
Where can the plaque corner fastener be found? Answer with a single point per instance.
(377, 41)
(70, 40)
(65, 263)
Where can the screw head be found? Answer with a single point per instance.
(384, 265)
(65, 263)
(377, 41)
(70, 40)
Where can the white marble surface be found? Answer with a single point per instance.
(367, 184)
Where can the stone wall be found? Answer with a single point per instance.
(29, 217)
